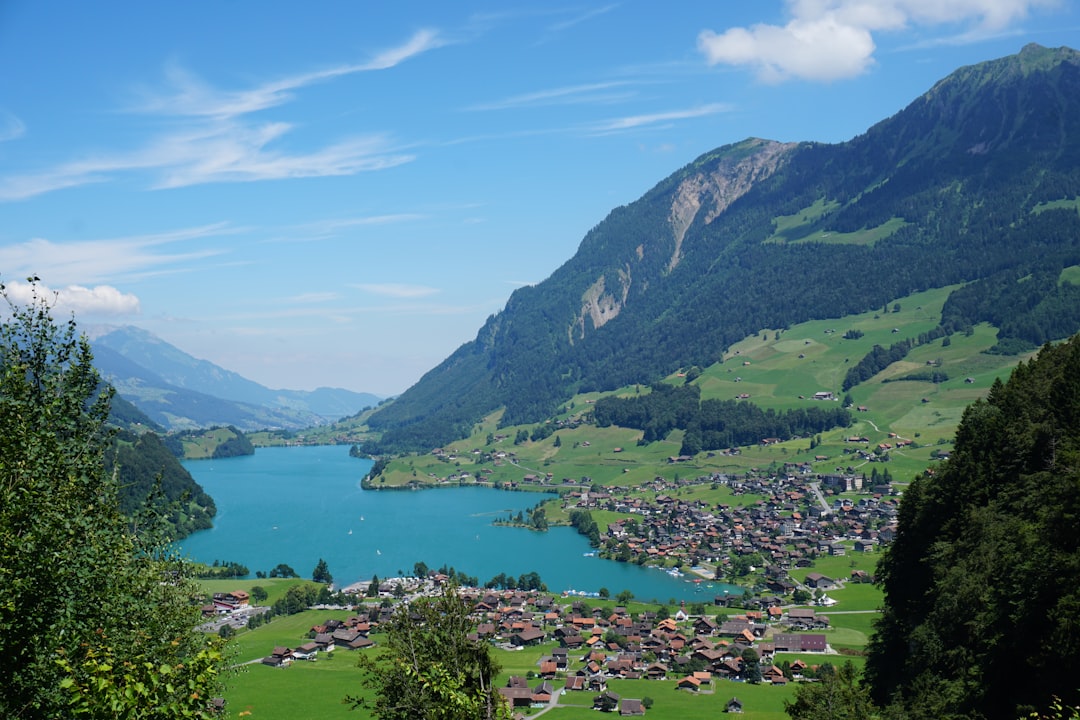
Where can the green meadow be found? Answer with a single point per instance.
(779, 369)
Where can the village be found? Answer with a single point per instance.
(762, 635)
(578, 649)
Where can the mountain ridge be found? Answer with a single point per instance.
(941, 193)
(180, 391)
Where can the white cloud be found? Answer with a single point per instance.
(397, 290)
(99, 300)
(829, 40)
(635, 121)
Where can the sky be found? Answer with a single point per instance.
(341, 193)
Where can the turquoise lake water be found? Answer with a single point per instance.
(297, 505)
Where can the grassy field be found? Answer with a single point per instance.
(275, 587)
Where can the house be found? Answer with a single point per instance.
(280, 657)
(527, 636)
(606, 701)
(818, 581)
(307, 651)
(631, 707)
(734, 705)
(543, 692)
(689, 683)
(517, 696)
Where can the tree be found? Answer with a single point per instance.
(837, 696)
(420, 570)
(429, 668)
(751, 665)
(624, 597)
(604, 593)
(95, 612)
(321, 573)
(283, 571)
(258, 593)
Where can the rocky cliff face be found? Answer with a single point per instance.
(702, 195)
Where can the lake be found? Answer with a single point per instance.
(297, 505)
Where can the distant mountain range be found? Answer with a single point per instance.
(179, 391)
(976, 183)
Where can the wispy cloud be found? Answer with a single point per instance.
(189, 96)
(218, 143)
(828, 40)
(580, 18)
(97, 261)
(313, 298)
(593, 93)
(637, 121)
(396, 290)
(11, 127)
(331, 228)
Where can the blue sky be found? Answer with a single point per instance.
(340, 193)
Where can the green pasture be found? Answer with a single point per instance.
(275, 587)
(201, 446)
(302, 690)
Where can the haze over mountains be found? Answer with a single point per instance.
(179, 391)
(977, 181)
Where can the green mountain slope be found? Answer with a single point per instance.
(976, 182)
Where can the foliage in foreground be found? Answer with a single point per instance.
(982, 585)
(429, 668)
(87, 603)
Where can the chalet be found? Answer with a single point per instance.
(543, 692)
(280, 657)
(734, 705)
(517, 696)
(689, 683)
(631, 707)
(527, 636)
(819, 582)
(656, 671)
(307, 651)
(606, 701)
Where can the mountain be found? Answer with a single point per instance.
(976, 182)
(181, 392)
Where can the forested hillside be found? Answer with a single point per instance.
(977, 181)
(982, 584)
(150, 478)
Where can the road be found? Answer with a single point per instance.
(816, 487)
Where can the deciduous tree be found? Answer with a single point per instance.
(93, 611)
(429, 668)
